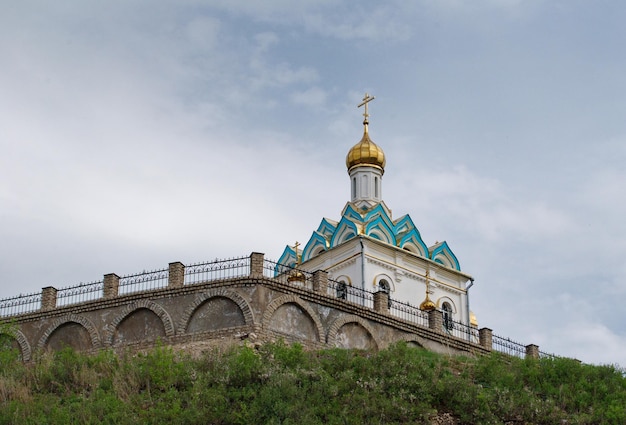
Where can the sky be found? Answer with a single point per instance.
(136, 133)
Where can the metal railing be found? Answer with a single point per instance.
(217, 270)
(351, 294)
(20, 304)
(287, 274)
(241, 267)
(80, 293)
(460, 330)
(145, 281)
(508, 346)
(544, 355)
(408, 312)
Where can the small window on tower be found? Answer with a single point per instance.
(376, 195)
(353, 187)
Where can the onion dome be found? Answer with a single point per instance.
(473, 320)
(427, 304)
(366, 152)
(296, 276)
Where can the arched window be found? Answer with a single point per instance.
(384, 286)
(342, 290)
(353, 187)
(447, 316)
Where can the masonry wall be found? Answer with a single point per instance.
(252, 309)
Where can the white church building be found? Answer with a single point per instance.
(367, 248)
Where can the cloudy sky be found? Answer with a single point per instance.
(136, 133)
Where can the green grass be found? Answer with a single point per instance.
(280, 384)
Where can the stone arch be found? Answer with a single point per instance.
(334, 332)
(22, 342)
(155, 308)
(285, 300)
(68, 319)
(412, 340)
(215, 293)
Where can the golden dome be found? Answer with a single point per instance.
(427, 304)
(473, 319)
(296, 276)
(366, 152)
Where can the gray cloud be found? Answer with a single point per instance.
(140, 133)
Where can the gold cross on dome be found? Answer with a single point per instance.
(296, 245)
(366, 100)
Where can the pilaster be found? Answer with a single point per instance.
(320, 281)
(176, 277)
(381, 302)
(48, 298)
(435, 320)
(256, 265)
(111, 285)
(485, 338)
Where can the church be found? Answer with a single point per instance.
(364, 281)
(368, 249)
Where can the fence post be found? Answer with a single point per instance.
(176, 276)
(381, 302)
(48, 298)
(320, 281)
(256, 265)
(435, 320)
(532, 351)
(485, 338)
(111, 285)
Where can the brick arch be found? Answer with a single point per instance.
(333, 330)
(213, 293)
(71, 318)
(168, 324)
(412, 338)
(18, 336)
(293, 299)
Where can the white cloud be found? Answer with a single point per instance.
(313, 96)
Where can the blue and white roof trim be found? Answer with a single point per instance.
(375, 223)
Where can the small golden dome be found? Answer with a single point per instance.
(473, 319)
(366, 152)
(427, 304)
(296, 276)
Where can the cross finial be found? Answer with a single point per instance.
(296, 245)
(366, 100)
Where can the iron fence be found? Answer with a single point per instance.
(240, 267)
(287, 274)
(508, 346)
(544, 355)
(217, 270)
(80, 293)
(21, 304)
(408, 312)
(350, 293)
(146, 281)
(460, 330)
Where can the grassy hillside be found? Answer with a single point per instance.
(282, 384)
